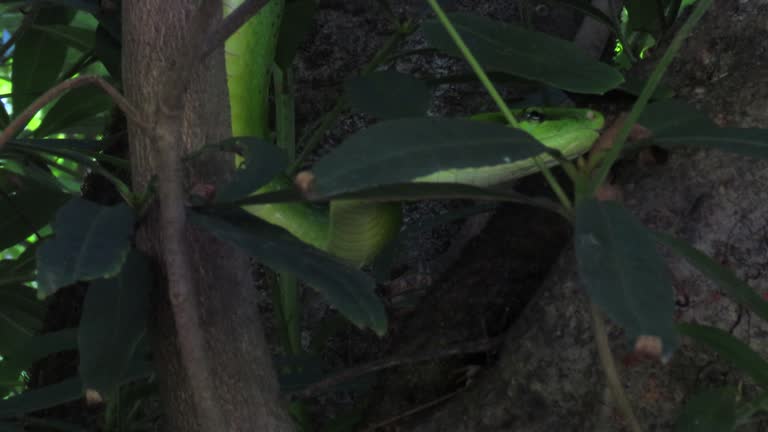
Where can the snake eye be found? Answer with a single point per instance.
(534, 116)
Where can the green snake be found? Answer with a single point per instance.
(356, 231)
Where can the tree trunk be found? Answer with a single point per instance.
(246, 388)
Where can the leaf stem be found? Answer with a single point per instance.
(491, 89)
(645, 95)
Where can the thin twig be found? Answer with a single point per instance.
(377, 365)
(232, 23)
(22, 119)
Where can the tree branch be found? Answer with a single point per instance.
(231, 23)
(22, 119)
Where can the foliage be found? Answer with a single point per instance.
(93, 243)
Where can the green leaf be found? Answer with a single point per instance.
(21, 316)
(38, 58)
(78, 38)
(10, 427)
(91, 241)
(398, 151)
(752, 142)
(298, 18)
(263, 161)
(75, 106)
(39, 399)
(623, 272)
(713, 410)
(112, 324)
(730, 348)
(723, 277)
(528, 54)
(644, 15)
(107, 49)
(26, 208)
(34, 349)
(388, 95)
(671, 115)
(347, 289)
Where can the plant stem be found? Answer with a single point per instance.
(609, 368)
(645, 95)
(491, 89)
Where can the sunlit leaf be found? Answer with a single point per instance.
(623, 272)
(723, 277)
(388, 95)
(75, 106)
(112, 324)
(730, 348)
(528, 54)
(91, 241)
(345, 288)
(38, 58)
(26, 208)
(709, 411)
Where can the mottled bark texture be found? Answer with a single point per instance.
(246, 388)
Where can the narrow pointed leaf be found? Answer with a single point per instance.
(528, 54)
(263, 161)
(730, 348)
(399, 151)
(347, 289)
(78, 38)
(623, 272)
(112, 324)
(388, 95)
(31, 206)
(709, 411)
(42, 398)
(21, 316)
(74, 107)
(297, 22)
(91, 241)
(672, 114)
(737, 289)
(38, 58)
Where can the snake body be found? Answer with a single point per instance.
(356, 231)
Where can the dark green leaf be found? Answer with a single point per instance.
(5, 119)
(42, 398)
(709, 411)
(10, 427)
(752, 142)
(645, 15)
(90, 242)
(634, 86)
(112, 324)
(398, 151)
(38, 58)
(27, 208)
(34, 349)
(388, 95)
(78, 38)
(669, 116)
(347, 289)
(21, 316)
(730, 348)
(723, 277)
(532, 55)
(623, 272)
(74, 107)
(298, 19)
(107, 48)
(263, 161)
(84, 146)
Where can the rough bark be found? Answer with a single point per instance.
(246, 388)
